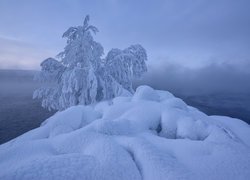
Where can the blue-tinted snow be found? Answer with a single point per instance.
(151, 135)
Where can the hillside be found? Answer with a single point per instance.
(150, 135)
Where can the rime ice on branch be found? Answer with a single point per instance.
(82, 76)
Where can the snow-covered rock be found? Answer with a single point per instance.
(151, 135)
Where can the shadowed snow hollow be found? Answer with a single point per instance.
(151, 135)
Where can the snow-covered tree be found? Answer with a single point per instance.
(81, 76)
(124, 65)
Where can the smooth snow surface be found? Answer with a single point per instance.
(151, 135)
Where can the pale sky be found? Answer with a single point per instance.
(191, 33)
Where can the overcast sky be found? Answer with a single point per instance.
(190, 33)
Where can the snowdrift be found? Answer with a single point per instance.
(151, 135)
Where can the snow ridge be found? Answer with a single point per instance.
(150, 135)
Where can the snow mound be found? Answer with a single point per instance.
(151, 135)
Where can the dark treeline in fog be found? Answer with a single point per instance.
(214, 78)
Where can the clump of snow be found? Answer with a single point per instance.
(145, 93)
(150, 135)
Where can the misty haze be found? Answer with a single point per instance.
(215, 90)
(160, 89)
